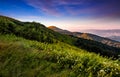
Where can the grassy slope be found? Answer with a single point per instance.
(32, 31)
(25, 58)
(37, 31)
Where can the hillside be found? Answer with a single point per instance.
(31, 30)
(26, 58)
(29, 49)
(60, 30)
(115, 38)
(113, 34)
(38, 32)
(97, 38)
(88, 36)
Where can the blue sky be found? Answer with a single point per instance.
(73, 15)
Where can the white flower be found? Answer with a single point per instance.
(102, 71)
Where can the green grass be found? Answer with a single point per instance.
(38, 32)
(25, 58)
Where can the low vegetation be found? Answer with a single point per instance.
(29, 49)
(25, 58)
(38, 32)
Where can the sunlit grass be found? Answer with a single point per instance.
(25, 58)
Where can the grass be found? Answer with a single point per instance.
(38, 32)
(25, 58)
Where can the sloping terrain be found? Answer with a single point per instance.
(31, 30)
(25, 58)
(88, 36)
(60, 30)
(115, 38)
(113, 34)
(29, 49)
(98, 38)
(38, 32)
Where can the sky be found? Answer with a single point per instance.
(73, 15)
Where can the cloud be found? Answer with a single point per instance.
(93, 8)
(53, 7)
(45, 6)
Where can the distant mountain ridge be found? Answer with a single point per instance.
(88, 36)
(115, 38)
(113, 34)
(60, 30)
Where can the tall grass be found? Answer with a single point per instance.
(25, 58)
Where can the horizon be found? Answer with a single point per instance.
(72, 15)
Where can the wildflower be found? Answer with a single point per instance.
(102, 71)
